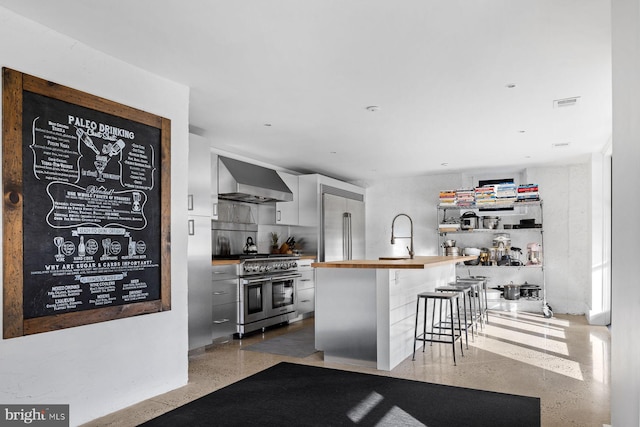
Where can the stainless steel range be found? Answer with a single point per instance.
(267, 291)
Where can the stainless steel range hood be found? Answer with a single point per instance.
(245, 182)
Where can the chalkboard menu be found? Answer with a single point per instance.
(94, 213)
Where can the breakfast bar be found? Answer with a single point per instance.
(365, 309)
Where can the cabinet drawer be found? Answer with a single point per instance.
(223, 272)
(307, 274)
(225, 319)
(305, 282)
(306, 301)
(225, 291)
(305, 265)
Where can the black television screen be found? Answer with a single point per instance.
(484, 182)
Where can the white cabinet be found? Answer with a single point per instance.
(199, 177)
(199, 242)
(287, 212)
(305, 288)
(199, 281)
(224, 302)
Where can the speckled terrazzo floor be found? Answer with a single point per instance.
(562, 360)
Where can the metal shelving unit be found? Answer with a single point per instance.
(478, 238)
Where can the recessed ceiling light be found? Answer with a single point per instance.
(332, 152)
(444, 164)
(560, 144)
(511, 86)
(373, 108)
(521, 131)
(267, 124)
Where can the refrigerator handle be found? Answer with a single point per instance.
(346, 236)
(350, 239)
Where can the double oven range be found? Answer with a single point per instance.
(266, 282)
(267, 291)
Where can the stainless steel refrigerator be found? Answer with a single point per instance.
(343, 226)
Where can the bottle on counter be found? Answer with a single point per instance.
(81, 247)
(132, 247)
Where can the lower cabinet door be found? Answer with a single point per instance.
(225, 320)
(306, 301)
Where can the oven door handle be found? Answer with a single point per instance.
(259, 280)
(285, 277)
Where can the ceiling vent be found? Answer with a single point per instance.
(565, 102)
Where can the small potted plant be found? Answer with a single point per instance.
(274, 242)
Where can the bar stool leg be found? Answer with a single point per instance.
(415, 330)
(472, 311)
(480, 307)
(424, 323)
(486, 301)
(466, 324)
(453, 332)
(459, 328)
(433, 318)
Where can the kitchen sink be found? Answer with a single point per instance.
(391, 258)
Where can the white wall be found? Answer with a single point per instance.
(625, 349)
(416, 197)
(100, 368)
(565, 192)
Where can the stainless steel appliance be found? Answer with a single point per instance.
(342, 230)
(267, 289)
(251, 183)
(469, 221)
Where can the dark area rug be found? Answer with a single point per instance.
(297, 395)
(295, 344)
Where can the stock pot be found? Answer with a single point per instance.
(490, 222)
(452, 251)
(511, 291)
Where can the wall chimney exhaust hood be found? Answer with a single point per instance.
(245, 182)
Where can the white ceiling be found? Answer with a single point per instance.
(438, 70)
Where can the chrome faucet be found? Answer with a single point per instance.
(393, 238)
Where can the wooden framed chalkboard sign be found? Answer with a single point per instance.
(86, 209)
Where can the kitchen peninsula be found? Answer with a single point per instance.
(365, 309)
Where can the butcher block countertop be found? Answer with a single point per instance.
(418, 262)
